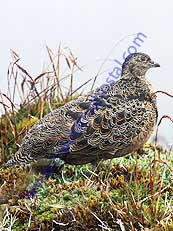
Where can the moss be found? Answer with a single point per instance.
(98, 197)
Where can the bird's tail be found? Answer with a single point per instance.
(19, 159)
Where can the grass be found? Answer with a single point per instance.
(129, 193)
(107, 197)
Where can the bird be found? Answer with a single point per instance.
(111, 121)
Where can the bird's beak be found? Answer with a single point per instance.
(153, 64)
(156, 65)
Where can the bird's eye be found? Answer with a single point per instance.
(143, 58)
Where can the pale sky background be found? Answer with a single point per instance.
(90, 28)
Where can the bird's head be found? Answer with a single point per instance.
(138, 64)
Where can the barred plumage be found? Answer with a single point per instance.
(111, 121)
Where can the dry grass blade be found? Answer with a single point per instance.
(163, 117)
(56, 73)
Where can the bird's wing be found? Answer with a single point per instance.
(107, 123)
